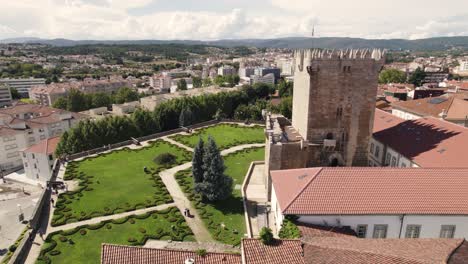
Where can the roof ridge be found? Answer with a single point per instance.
(303, 189)
(166, 249)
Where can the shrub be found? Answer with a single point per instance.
(132, 221)
(83, 232)
(201, 252)
(289, 230)
(142, 230)
(131, 240)
(109, 226)
(63, 239)
(165, 159)
(12, 248)
(54, 252)
(266, 235)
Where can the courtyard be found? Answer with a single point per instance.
(115, 182)
(225, 135)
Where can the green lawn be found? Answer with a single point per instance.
(115, 182)
(231, 211)
(83, 244)
(225, 135)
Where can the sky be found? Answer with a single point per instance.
(231, 19)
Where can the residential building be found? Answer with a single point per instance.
(38, 159)
(48, 94)
(262, 71)
(246, 72)
(376, 202)
(5, 95)
(23, 85)
(24, 125)
(451, 108)
(425, 142)
(125, 108)
(161, 82)
(268, 79)
(226, 70)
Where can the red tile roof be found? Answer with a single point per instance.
(424, 107)
(310, 231)
(46, 146)
(282, 251)
(116, 254)
(351, 250)
(428, 142)
(373, 190)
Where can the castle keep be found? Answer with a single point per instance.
(333, 111)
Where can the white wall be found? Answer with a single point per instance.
(37, 166)
(276, 210)
(380, 160)
(405, 115)
(376, 160)
(430, 224)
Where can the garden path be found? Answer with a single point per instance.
(173, 142)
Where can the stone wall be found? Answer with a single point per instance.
(334, 98)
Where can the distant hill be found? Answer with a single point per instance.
(440, 43)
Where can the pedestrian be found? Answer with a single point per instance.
(188, 213)
(52, 201)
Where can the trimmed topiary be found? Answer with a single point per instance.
(82, 232)
(142, 230)
(131, 240)
(63, 239)
(165, 159)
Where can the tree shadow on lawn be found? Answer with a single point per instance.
(232, 205)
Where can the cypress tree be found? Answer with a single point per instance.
(197, 161)
(216, 185)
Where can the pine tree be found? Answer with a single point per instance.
(197, 162)
(215, 186)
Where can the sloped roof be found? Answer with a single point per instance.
(282, 251)
(46, 146)
(428, 141)
(349, 250)
(373, 190)
(431, 106)
(117, 254)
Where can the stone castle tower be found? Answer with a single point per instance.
(333, 111)
(334, 103)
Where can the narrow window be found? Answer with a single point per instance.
(372, 148)
(393, 161)
(380, 231)
(361, 231)
(447, 231)
(377, 151)
(413, 231)
(387, 159)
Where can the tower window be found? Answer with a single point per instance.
(330, 136)
(339, 112)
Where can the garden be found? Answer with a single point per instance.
(116, 182)
(224, 219)
(83, 244)
(225, 135)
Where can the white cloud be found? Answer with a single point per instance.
(113, 19)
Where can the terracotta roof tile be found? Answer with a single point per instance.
(373, 190)
(428, 142)
(310, 231)
(46, 146)
(424, 107)
(349, 250)
(116, 254)
(282, 251)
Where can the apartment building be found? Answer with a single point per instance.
(23, 85)
(38, 159)
(5, 95)
(24, 125)
(48, 94)
(424, 142)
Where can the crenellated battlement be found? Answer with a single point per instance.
(304, 58)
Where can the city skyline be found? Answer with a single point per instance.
(228, 19)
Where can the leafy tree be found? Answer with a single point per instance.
(76, 101)
(285, 89)
(289, 230)
(207, 82)
(14, 93)
(61, 103)
(286, 106)
(182, 85)
(144, 121)
(263, 90)
(417, 77)
(197, 82)
(125, 95)
(266, 236)
(197, 161)
(100, 100)
(392, 76)
(165, 159)
(216, 185)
